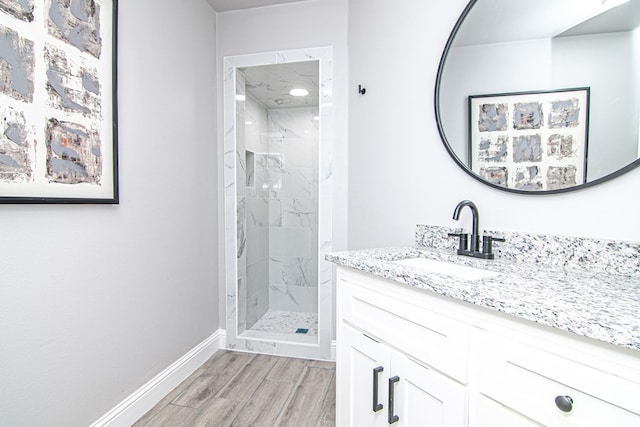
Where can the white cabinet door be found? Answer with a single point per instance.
(424, 397)
(370, 371)
(404, 321)
(361, 380)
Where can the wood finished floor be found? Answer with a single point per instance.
(242, 389)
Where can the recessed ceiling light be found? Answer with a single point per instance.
(298, 92)
(240, 97)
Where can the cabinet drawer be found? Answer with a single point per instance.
(492, 414)
(438, 341)
(527, 380)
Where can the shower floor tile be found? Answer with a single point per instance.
(286, 322)
(282, 325)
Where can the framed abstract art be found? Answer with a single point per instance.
(58, 109)
(530, 140)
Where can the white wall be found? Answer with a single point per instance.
(399, 172)
(308, 24)
(97, 300)
(608, 69)
(564, 62)
(635, 70)
(470, 70)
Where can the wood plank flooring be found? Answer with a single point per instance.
(242, 389)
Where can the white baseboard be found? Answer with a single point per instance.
(146, 397)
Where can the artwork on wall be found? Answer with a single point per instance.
(530, 140)
(58, 140)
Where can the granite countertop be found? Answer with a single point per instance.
(597, 305)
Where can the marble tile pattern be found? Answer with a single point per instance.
(287, 322)
(277, 166)
(253, 124)
(567, 292)
(241, 229)
(271, 84)
(280, 325)
(278, 214)
(293, 249)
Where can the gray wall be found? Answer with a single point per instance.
(97, 300)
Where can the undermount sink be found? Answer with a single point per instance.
(447, 268)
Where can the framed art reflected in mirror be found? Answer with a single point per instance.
(506, 47)
(530, 140)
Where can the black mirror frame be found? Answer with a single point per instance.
(462, 165)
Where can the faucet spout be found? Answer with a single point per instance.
(473, 248)
(475, 238)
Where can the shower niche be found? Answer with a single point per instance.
(277, 119)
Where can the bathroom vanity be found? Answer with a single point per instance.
(535, 344)
(548, 333)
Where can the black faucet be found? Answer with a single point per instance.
(475, 219)
(472, 247)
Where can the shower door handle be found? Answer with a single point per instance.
(377, 406)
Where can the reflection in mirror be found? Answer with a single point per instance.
(542, 98)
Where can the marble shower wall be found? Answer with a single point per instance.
(257, 187)
(293, 209)
(241, 192)
(237, 174)
(279, 176)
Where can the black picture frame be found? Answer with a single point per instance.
(530, 140)
(59, 138)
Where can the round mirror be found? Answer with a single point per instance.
(542, 97)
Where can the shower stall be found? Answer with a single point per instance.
(277, 119)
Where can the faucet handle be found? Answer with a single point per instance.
(463, 242)
(487, 245)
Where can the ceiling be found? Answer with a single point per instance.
(229, 5)
(625, 17)
(270, 84)
(496, 21)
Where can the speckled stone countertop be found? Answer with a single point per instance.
(592, 302)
